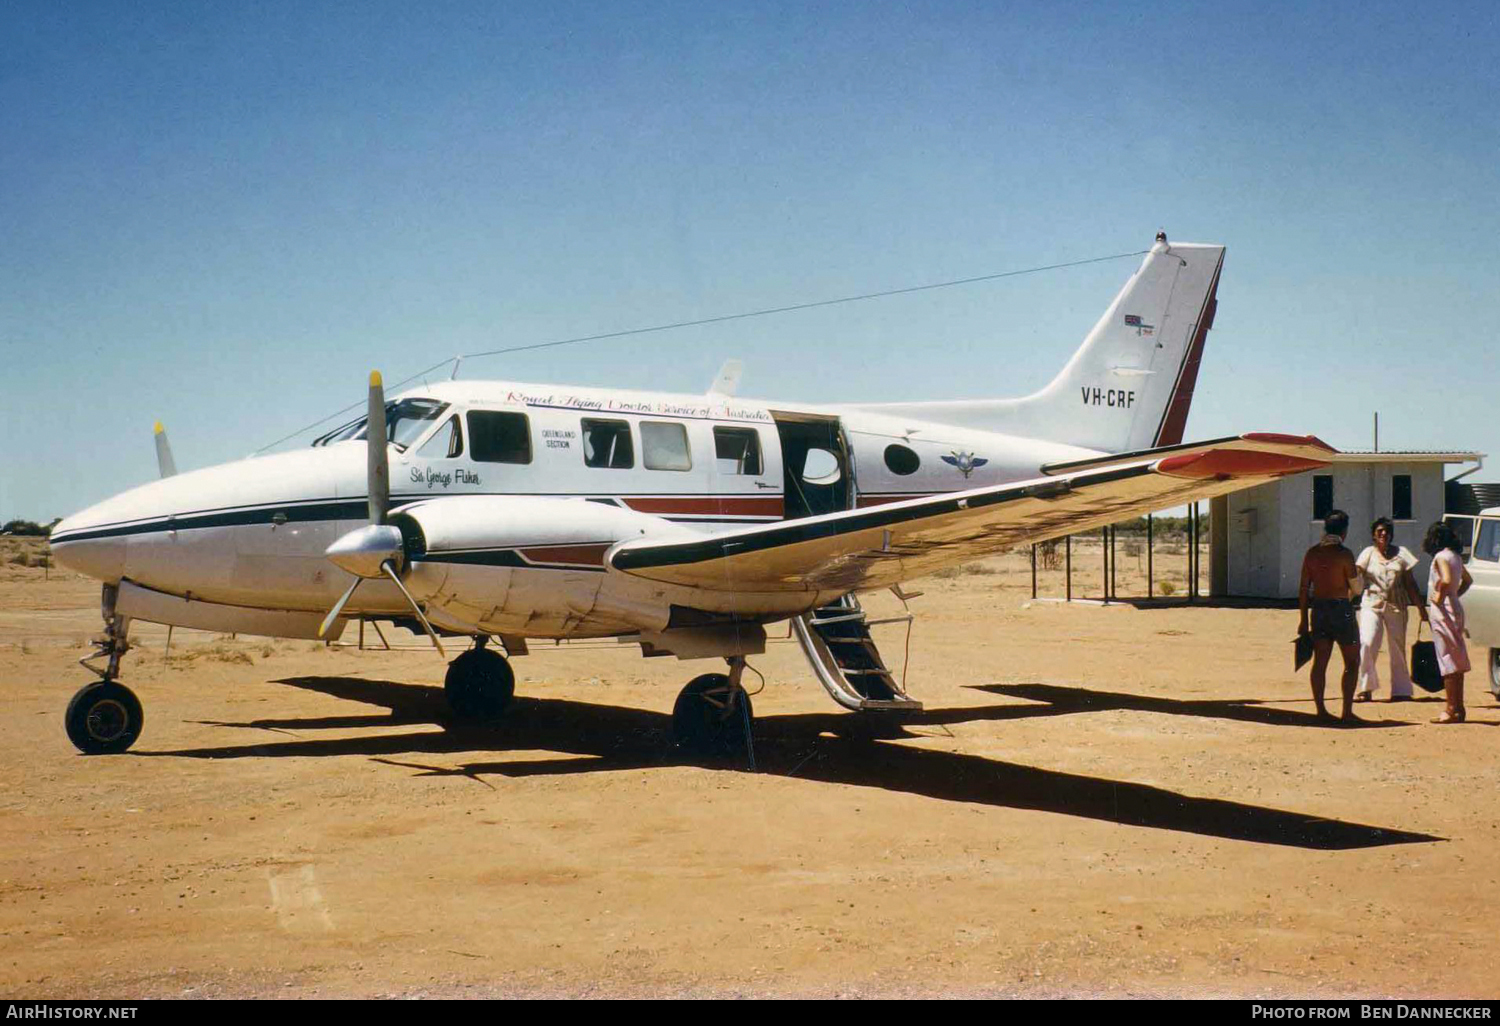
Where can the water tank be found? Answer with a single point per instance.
(1463, 497)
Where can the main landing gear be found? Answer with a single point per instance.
(713, 714)
(105, 717)
(479, 684)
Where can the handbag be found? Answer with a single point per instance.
(1302, 651)
(1424, 664)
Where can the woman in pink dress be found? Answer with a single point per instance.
(1445, 614)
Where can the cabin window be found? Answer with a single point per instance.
(1487, 542)
(496, 437)
(737, 451)
(1401, 497)
(821, 467)
(606, 443)
(1322, 495)
(664, 446)
(901, 460)
(446, 443)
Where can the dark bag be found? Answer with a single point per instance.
(1302, 651)
(1424, 665)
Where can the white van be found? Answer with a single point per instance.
(1482, 603)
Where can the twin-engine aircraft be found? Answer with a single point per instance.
(502, 512)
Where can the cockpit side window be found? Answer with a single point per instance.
(606, 443)
(405, 421)
(499, 437)
(446, 443)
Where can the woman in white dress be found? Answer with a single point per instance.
(1385, 570)
(1445, 583)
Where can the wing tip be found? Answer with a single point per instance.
(1231, 463)
(1280, 439)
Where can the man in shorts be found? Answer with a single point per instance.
(1328, 574)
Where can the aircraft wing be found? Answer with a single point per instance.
(885, 545)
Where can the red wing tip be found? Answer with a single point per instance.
(1227, 463)
(1280, 439)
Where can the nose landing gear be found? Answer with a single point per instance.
(105, 717)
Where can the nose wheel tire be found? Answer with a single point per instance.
(103, 718)
(712, 717)
(479, 685)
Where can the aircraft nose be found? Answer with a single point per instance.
(88, 550)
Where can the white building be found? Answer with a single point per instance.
(1259, 536)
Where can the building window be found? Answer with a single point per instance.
(1322, 495)
(737, 450)
(496, 437)
(606, 443)
(665, 446)
(1401, 497)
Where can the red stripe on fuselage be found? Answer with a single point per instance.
(881, 500)
(708, 505)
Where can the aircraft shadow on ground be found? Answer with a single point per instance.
(1058, 699)
(837, 748)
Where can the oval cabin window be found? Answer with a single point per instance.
(901, 460)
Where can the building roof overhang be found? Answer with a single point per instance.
(1413, 456)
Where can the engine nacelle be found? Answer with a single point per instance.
(528, 566)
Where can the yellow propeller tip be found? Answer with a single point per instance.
(375, 381)
(158, 429)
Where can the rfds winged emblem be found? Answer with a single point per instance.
(966, 462)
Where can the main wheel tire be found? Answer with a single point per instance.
(711, 718)
(479, 684)
(1494, 654)
(103, 718)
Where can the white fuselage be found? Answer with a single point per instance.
(521, 553)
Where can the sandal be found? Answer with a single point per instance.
(1450, 717)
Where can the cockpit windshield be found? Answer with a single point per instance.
(405, 421)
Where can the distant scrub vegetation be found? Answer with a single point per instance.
(26, 528)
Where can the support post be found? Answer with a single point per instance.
(1114, 564)
(1150, 578)
(1033, 570)
(1068, 564)
(1192, 552)
(1104, 553)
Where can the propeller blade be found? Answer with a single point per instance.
(164, 461)
(379, 472)
(338, 607)
(391, 573)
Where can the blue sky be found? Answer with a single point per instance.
(224, 215)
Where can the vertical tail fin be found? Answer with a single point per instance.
(1130, 384)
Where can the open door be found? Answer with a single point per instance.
(817, 477)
